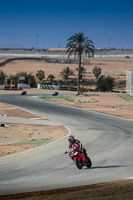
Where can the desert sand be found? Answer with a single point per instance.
(116, 65)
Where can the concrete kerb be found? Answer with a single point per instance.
(16, 120)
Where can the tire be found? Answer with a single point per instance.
(77, 163)
(88, 162)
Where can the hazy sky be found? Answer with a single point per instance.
(108, 23)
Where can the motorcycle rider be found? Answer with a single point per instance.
(72, 141)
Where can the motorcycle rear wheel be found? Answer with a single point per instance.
(88, 162)
(77, 163)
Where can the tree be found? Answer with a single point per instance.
(105, 83)
(40, 75)
(51, 77)
(77, 44)
(82, 70)
(66, 72)
(96, 71)
(29, 78)
(2, 77)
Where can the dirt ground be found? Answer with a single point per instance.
(11, 133)
(117, 190)
(107, 103)
(116, 65)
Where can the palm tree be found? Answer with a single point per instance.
(77, 44)
(82, 70)
(51, 77)
(40, 75)
(96, 71)
(66, 72)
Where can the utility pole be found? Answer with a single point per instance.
(37, 36)
(108, 42)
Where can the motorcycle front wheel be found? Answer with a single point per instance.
(77, 163)
(88, 162)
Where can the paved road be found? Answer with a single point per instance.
(108, 139)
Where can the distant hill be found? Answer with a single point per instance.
(12, 46)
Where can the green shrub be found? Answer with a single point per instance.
(2, 77)
(105, 83)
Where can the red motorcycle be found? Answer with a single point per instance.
(79, 158)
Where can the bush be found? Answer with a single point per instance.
(2, 77)
(105, 83)
(82, 90)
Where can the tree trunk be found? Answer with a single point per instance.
(78, 81)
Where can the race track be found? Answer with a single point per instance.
(108, 140)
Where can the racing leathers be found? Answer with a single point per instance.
(79, 145)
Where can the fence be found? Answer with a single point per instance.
(56, 87)
(129, 82)
(2, 87)
(47, 87)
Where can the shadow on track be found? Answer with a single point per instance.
(104, 167)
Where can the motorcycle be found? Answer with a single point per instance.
(79, 158)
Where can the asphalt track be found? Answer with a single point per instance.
(108, 139)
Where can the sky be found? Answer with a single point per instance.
(49, 23)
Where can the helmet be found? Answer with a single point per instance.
(71, 139)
